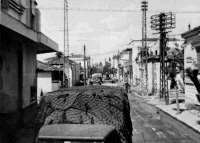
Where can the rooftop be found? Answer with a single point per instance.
(45, 67)
(56, 61)
(193, 31)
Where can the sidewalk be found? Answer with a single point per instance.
(189, 117)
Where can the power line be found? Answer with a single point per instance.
(104, 53)
(174, 35)
(117, 10)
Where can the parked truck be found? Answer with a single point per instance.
(85, 114)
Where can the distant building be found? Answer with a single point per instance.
(74, 70)
(78, 58)
(126, 64)
(46, 79)
(115, 62)
(153, 62)
(21, 40)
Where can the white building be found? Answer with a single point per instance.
(44, 79)
(80, 59)
(126, 65)
(192, 60)
(153, 59)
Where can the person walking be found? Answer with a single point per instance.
(126, 84)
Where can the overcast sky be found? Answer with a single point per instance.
(104, 33)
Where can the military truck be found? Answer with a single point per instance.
(85, 114)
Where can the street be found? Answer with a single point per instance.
(148, 126)
(65, 62)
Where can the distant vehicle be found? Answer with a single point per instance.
(110, 79)
(114, 79)
(96, 78)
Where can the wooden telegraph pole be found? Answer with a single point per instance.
(84, 68)
(66, 78)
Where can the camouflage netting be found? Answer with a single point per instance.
(88, 105)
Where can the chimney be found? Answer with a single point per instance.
(189, 27)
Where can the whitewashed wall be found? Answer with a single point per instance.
(189, 58)
(44, 83)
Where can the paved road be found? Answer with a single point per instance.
(148, 126)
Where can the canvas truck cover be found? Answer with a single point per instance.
(88, 105)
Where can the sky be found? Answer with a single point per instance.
(106, 32)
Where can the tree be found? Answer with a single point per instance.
(116, 56)
(106, 68)
(176, 54)
(176, 57)
(59, 55)
(114, 71)
(100, 64)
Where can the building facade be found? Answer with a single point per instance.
(191, 60)
(45, 82)
(153, 62)
(126, 65)
(80, 59)
(20, 41)
(74, 70)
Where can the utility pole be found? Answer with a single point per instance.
(84, 68)
(118, 65)
(154, 77)
(144, 51)
(89, 67)
(161, 23)
(66, 78)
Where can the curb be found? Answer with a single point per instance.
(178, 120)
(193, 133)
(132, 92)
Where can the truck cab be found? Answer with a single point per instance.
(96, 78)
(77, 133)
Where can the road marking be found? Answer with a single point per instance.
(153, 128)
(161, 135)
(183, 134)
(171, 133)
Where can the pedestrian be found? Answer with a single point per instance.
(126, 84)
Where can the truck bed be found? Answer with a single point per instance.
(88, 105)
